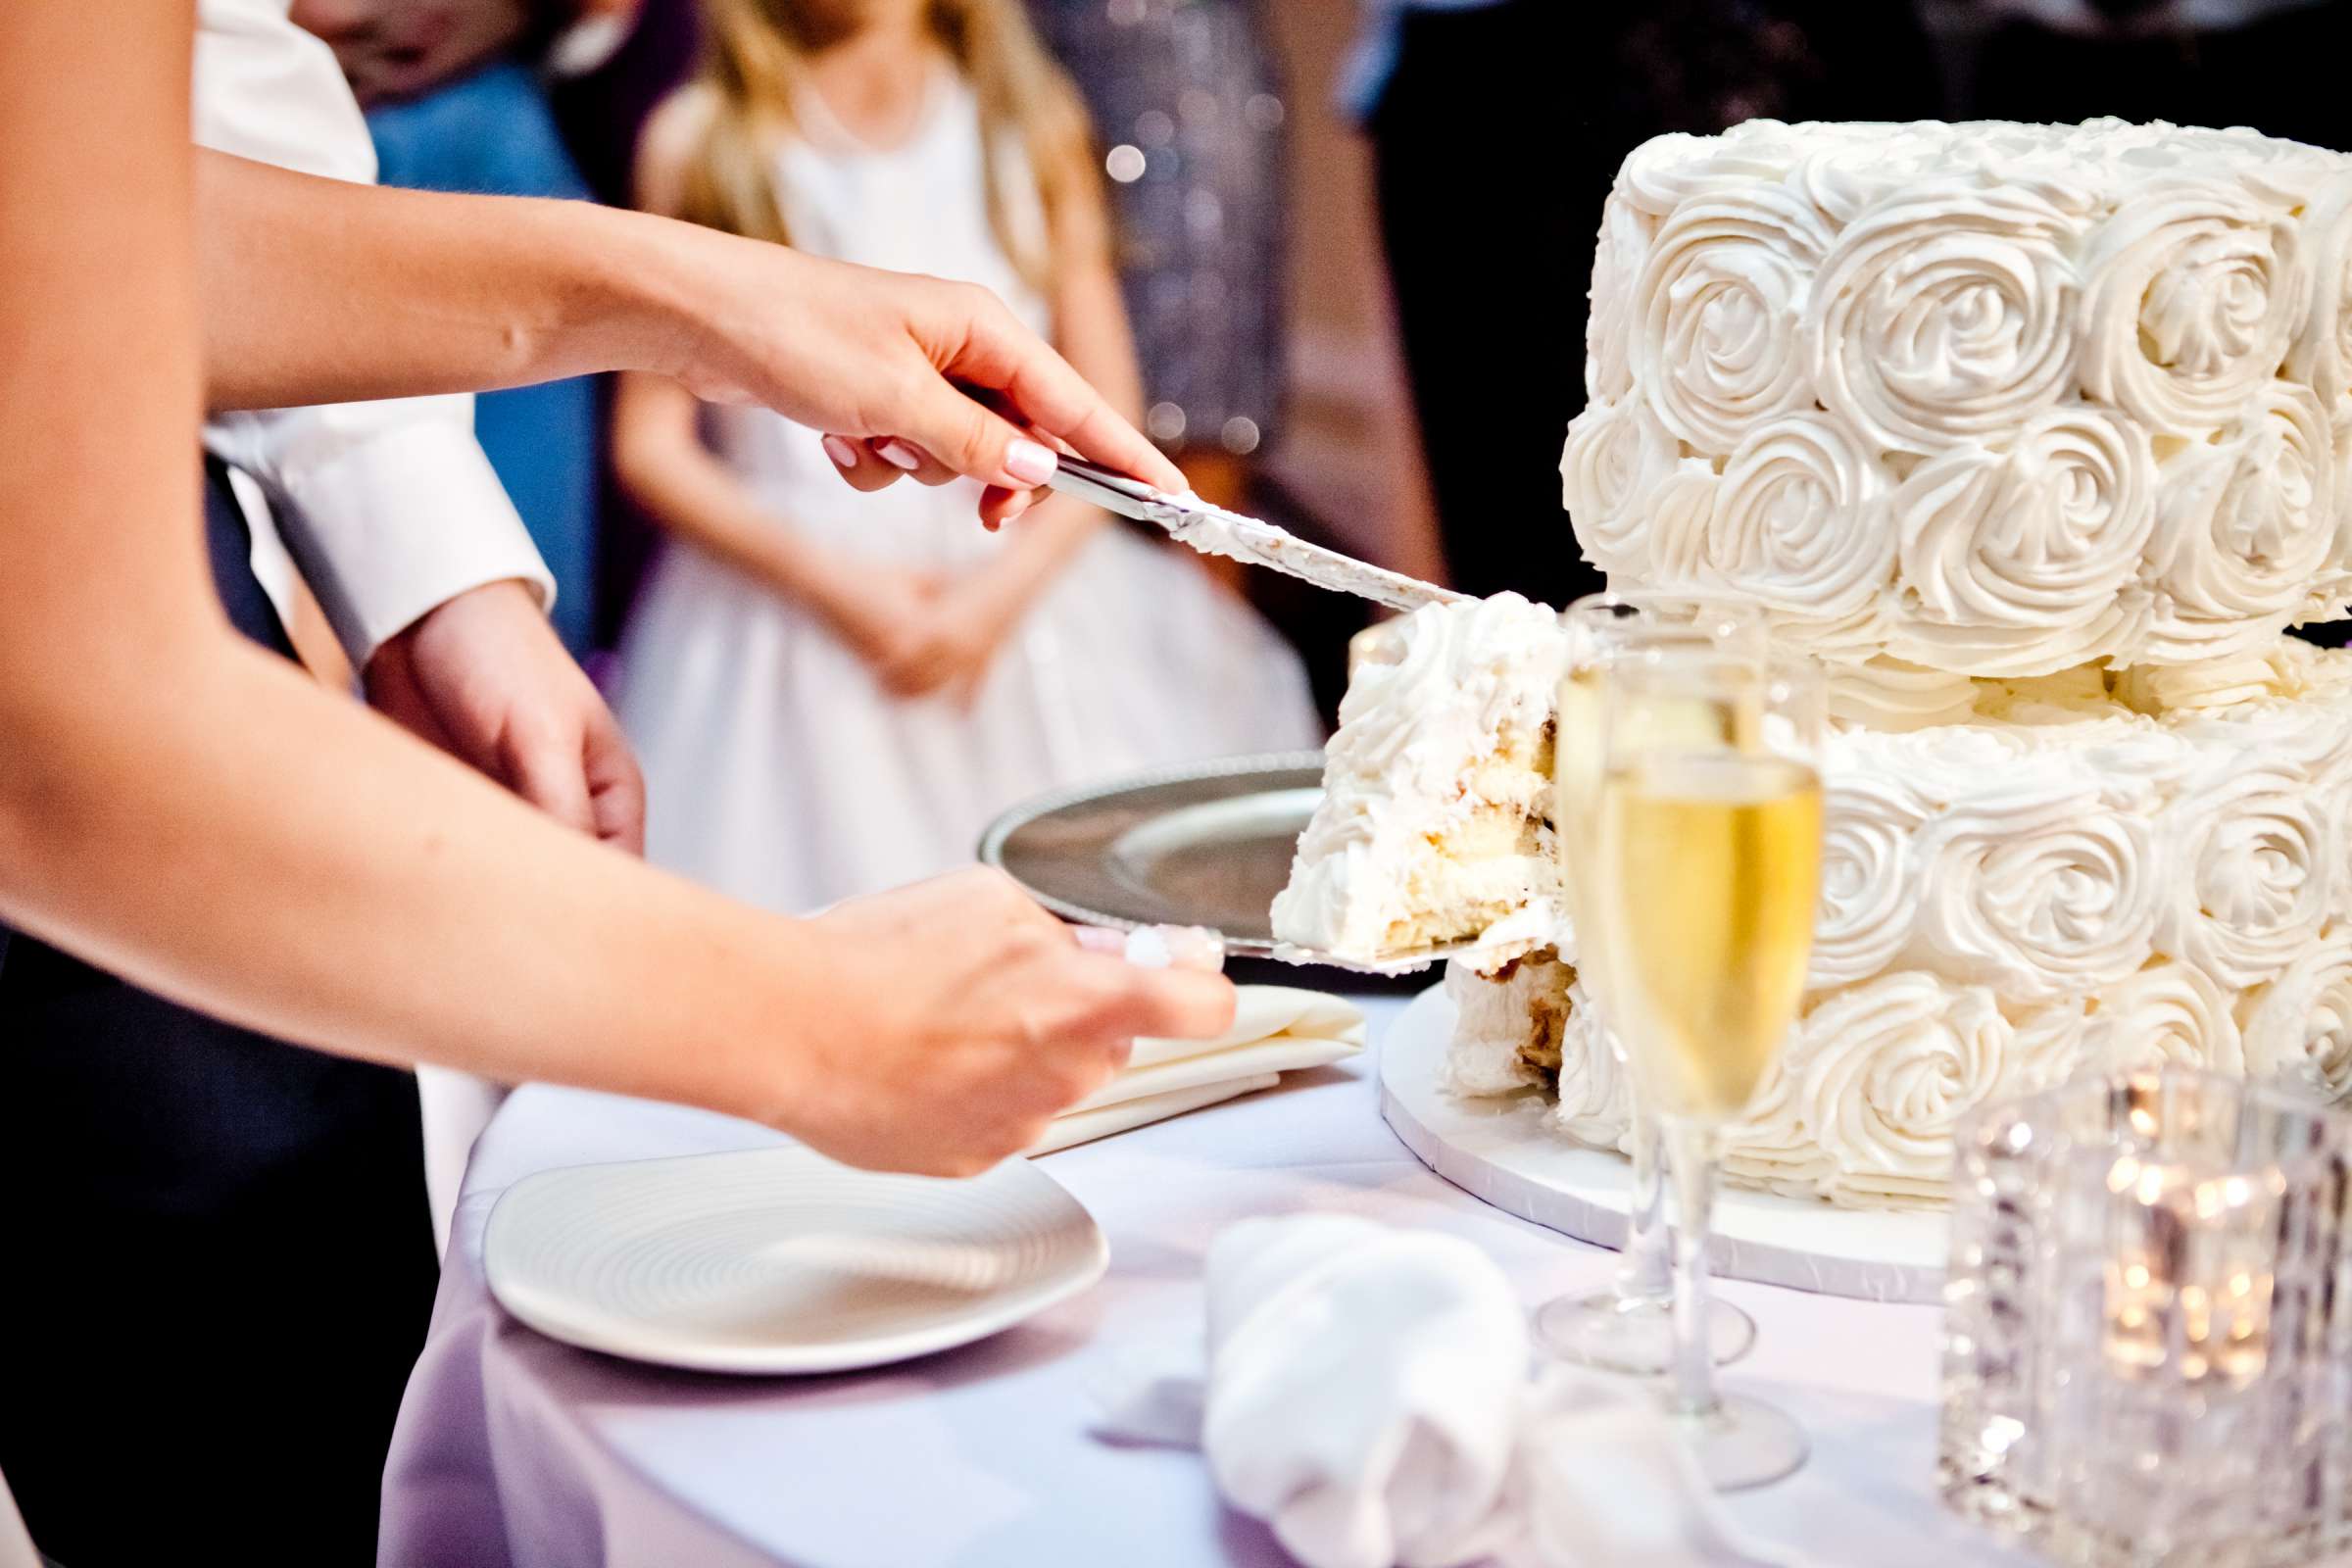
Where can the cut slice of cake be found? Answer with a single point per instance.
(1508, 1025)
(1435, 826)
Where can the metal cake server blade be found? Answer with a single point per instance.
(1214, 531)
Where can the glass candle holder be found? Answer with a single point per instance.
(2144, 1361)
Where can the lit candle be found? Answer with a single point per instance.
(2187, 1288)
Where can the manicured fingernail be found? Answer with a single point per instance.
(841, 451)
(1176, 947)
(899, 455)
(1030, 463)
(1096, 939)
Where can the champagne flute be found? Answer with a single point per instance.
(1627, 1326)
(1708, 873)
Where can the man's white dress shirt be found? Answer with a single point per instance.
(389, 508)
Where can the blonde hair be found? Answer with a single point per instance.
(755, 64)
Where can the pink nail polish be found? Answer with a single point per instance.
(899, 455)
(843, 454)
(1095, 939)
(1030, 463)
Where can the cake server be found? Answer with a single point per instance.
(1214, 531)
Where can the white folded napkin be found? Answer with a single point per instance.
(1276, 1029)
(1074, 1127)
(1369, 1396)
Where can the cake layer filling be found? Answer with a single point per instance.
(1435, 826)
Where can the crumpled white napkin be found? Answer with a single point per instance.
(1276, 1029)
(1369, 1396)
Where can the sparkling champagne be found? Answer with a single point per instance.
(1712, 865)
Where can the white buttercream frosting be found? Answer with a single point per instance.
(2040, 436)
(1434, 822)
(1870, 819)
(2167, 1016)
(1882, 1071)
(2299, 1026)
(1887, 693)
(2057, 883)
(1595, 1098)
(1986, 398)
(1800, 522)
(2037, 883)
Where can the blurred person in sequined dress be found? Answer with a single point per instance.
(1188, 106)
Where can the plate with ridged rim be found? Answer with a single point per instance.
(1505, 1151)
(1208, 845)
(780, 1261)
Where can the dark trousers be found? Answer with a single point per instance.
(219, 1260)
(1488, 214)
(1497, 139)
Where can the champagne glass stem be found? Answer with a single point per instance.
(1645, 1268)
(1691, 1156)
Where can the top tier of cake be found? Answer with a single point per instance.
(1989, 398)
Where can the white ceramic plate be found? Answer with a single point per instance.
(1503, 1151)
(778, 1260)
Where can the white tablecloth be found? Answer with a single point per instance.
(516, 1451)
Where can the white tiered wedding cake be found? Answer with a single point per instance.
(2039, 436)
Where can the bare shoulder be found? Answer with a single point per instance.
(667, 147)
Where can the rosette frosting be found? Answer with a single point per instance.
(2321, 354)
(1715, 343)
(1882, 1072)
(1870, 822)
(2167, 1016)
(1800, 524)
(1770, 1145)
(2258, 855)
(1617, 457)
(1945, 315)
(1618, 258)
(1664, 173)
(2091, 384)
(2299, 1026)
(2246, 522)
(2038, 885)
(2040, 436)
(2043, 535)
(2192, 295)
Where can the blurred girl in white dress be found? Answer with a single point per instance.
(833, 692)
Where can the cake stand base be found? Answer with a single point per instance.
(1503, 1151)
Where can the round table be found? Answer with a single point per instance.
(513, 1450)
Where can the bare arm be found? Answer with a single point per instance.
(376, 898)
(424, 292)
(658, 454)
(658, 451)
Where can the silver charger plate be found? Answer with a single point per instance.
(1206, 845)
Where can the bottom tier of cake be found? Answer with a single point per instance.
(2058, 882)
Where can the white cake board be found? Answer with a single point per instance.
(1504, 1152)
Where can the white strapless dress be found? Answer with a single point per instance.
(777, 770)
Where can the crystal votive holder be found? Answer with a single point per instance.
(2144, 1363)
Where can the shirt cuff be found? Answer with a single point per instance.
(389, 527)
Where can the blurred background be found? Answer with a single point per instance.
(1351, 240)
